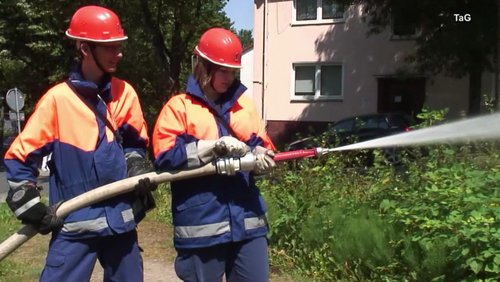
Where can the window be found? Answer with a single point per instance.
(305, 80)
(306, 10)
(322, 81)
(331, 10)
(404, 22)
(318, 11)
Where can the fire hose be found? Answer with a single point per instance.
(225, 166)
(479, 128)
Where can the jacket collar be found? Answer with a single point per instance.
(88, 88)
(229, 98)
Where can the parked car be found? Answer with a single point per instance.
(358, 129)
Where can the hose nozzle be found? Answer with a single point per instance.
(323, 151)
(229, 165)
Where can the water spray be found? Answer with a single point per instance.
(481, 128)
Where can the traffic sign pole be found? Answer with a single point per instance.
(15, 101)
(17, 112)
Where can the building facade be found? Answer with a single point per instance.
(314, 64)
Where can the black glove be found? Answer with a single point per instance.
(144, 187)
(50, 221)
(144, 201)
(137, 166)
(24, 201)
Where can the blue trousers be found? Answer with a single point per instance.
(240, 261)
(74, 260)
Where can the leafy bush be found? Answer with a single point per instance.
(435, 218)
(162, 196)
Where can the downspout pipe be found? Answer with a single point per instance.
(496, 96)
(264, 61)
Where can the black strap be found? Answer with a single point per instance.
(225, 124)
(100, 115)
(222, 121)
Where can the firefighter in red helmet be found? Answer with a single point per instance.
(219, 220)
(93, 126)
(221, 47)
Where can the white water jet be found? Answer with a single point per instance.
(481, 128)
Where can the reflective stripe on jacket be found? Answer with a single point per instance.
(213, 209)
(85, 154)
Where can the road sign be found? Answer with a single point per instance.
(15, 99)
(13, 115)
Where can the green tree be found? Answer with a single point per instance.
(162, 35)
(443, 42)
(246, 37)
(34, 53)
(174, 28)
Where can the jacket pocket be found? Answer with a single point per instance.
(55, 259)
(194, 201)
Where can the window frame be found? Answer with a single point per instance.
(317, 82)
(319, 16)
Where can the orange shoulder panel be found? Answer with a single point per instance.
(245, 122)
(183, 114)
(40, 129)
(200, 122)
(58, 115)
(77, 124)
(126, 108)
(171, 123)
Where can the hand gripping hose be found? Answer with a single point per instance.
(225, 166)
(221, 166)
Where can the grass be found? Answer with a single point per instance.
(24, 264)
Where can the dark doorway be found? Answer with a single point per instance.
(406, 95)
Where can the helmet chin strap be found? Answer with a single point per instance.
(99, 65)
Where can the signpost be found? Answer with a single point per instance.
(15, 100)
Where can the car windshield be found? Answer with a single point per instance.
(371, 123)
(397, 121)
(344, 126)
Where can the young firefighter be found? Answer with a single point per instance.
(76, 121)
(219, 221)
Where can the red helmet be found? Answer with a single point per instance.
(221, 47)
(96, 24)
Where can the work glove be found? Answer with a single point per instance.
(264, 162)
(144, 187)
(24, 201)
(208, 150)
(137, 165)
(50, 221)
(144, 200)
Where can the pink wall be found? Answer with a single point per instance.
(364, 59)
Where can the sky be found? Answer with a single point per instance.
(241, 13)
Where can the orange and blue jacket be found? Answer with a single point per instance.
(85, 154)
(213, 209)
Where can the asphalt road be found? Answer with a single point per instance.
(4, 187)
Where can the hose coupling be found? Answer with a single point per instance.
(230, 165)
